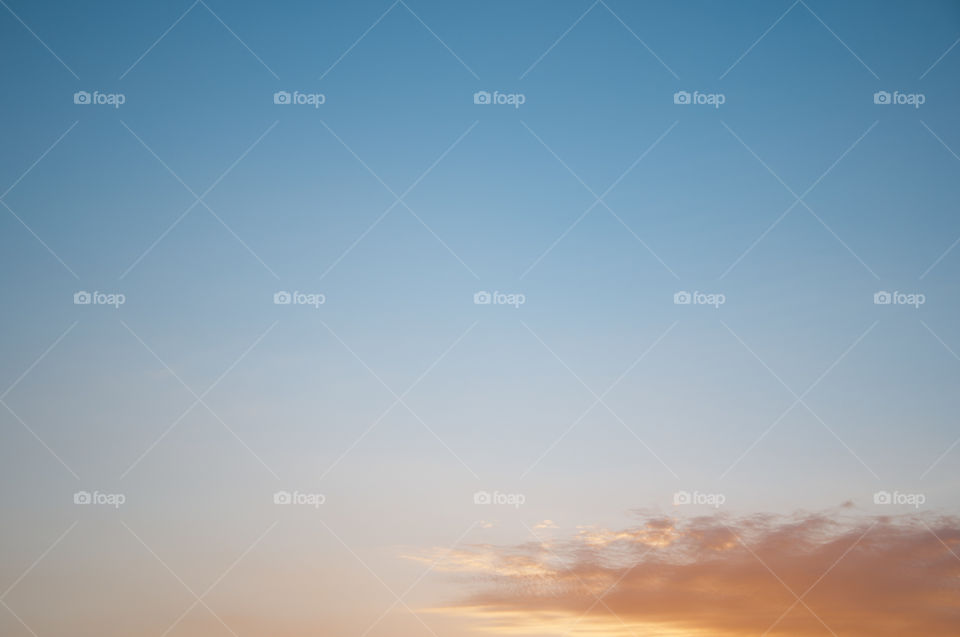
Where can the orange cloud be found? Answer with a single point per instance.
(762, 575)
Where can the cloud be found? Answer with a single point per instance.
(720, 576)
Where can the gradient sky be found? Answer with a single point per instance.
(399, 198)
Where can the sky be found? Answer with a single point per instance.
(429, 318)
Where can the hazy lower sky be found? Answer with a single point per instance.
(429, 318)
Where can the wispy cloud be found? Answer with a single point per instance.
(808, 574)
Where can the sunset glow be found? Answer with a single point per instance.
(420, 318)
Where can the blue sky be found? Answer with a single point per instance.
(597, 199)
